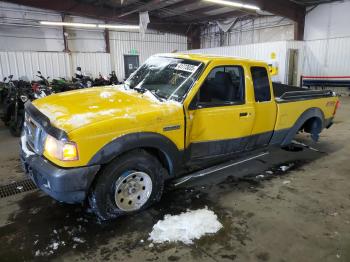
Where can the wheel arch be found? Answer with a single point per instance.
(157, 145)
(312, 121)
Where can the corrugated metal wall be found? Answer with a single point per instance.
(26, 46)
(250, 31)
(259, 51)
(123, 43)
(63, 64)
(92, 63)
(26, 64)
(330, 57)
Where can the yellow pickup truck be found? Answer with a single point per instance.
(115, 146)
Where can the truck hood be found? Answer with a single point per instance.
(75, 109)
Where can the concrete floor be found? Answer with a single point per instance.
(302, 214)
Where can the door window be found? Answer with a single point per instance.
(261, 84)
(223, 86)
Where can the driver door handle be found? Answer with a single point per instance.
(242, 114)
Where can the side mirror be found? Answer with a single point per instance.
(4, 79)
(39, 72)
(10, 76)
(194, 103)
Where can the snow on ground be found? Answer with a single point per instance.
(185, 227)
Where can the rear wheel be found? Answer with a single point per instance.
(130, 183)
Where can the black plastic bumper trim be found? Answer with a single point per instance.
(69, 185)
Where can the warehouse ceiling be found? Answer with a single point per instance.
(314, 2)
(176, 16)
(179, 12)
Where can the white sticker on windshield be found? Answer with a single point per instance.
(186, 67)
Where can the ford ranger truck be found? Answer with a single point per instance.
(114, 147)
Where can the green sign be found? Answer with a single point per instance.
(133, 51)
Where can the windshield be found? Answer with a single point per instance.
(166, 77)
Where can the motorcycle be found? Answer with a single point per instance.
(113, 79)
(101, 81)
(80, 80)
(61, 85)
(3, 89)
(42, 87)
(13, 115)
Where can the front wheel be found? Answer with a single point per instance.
(130, 183)
(16, 125)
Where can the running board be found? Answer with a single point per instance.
(213, 169)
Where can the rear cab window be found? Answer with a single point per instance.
(261, 84)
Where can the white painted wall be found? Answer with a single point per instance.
(327, 40)
(328, 21)
(20, 31)
(26, 46)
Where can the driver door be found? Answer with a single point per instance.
(220, 121)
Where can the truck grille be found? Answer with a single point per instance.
(35, 135)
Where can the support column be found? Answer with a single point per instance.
(65, 36)
(299, 26)
(106, 35)
(194, 37)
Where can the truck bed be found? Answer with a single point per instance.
(287, 93)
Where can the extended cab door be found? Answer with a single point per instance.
(219, 120)
(265, 108)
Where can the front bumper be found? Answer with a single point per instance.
(69, 185)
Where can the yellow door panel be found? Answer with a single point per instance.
(265, 117)
(221, 123)
(223, 119)
(265, 105)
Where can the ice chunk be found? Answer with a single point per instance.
(284, 168)
(78, 240)
(185, 227)
(54, 245)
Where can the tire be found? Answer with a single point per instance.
(16, 126)
(111, 197)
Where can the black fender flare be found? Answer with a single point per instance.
(132, 141)
(308, 114)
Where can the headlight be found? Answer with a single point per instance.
(24, 99)
(61, 150)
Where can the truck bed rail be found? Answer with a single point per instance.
(305, 94)
(286, 93)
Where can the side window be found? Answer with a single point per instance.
(224, 85)
(261, 84)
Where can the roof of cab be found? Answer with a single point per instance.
(205, 58)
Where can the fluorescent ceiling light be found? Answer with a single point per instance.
(234, 4)
(68, 24)
(125, 27)
(131, 27)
